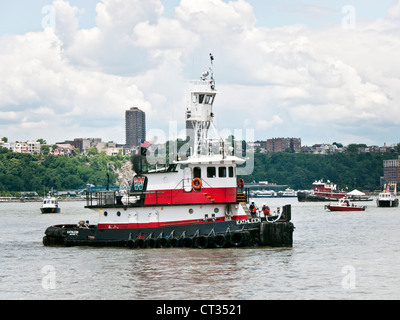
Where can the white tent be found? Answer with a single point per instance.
(355, 192)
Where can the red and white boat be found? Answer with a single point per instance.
(344, 204)
(322, 191)
(196, 202)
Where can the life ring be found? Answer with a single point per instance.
(197, 184)
(240, 183)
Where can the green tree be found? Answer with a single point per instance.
(41, 141)
(92, 151)
(44, 149)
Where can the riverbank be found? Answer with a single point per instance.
(38, 199)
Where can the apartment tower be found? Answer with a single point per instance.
(135, 127)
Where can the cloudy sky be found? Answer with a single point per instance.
(323, 71)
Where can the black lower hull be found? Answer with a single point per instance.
(50, 210)
(309, 197)
(305, 197)
(387, 203)
(248, 232)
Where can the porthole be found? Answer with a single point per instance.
(216, 210)
(105, 213)
(118, 213)
(190, 210)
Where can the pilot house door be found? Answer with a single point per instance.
(187, 179)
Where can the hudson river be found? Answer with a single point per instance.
(350, 255)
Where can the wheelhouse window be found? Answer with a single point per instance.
(222, 172)
(230, 172)
(209, 99)
(197, 172)
(211, 172)
(201, 98)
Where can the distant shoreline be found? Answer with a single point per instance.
(10, 199)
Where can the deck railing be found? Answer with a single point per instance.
(167, 197)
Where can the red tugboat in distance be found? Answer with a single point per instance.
(322, 191)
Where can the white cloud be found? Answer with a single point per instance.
(119, 17)
(286, 81)
(46, 93)
(66, 21)
(394, 12)
(213, 17)
(265, 124)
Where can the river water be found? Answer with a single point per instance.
(350, 255)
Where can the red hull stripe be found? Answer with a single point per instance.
(179, 196)
(159, 224)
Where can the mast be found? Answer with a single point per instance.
(199, 113)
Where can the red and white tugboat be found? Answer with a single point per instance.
(322, 191)
(198, 202)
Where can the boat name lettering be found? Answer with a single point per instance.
(73, 232)
(246, 221)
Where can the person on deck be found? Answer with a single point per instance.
(253, 210)
(265, 209)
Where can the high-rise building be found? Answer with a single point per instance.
(391, 170)
(135, 127)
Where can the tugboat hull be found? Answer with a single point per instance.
(307, 197)
(50, 210)
(239, 233)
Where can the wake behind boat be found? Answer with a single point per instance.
(198, 202)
